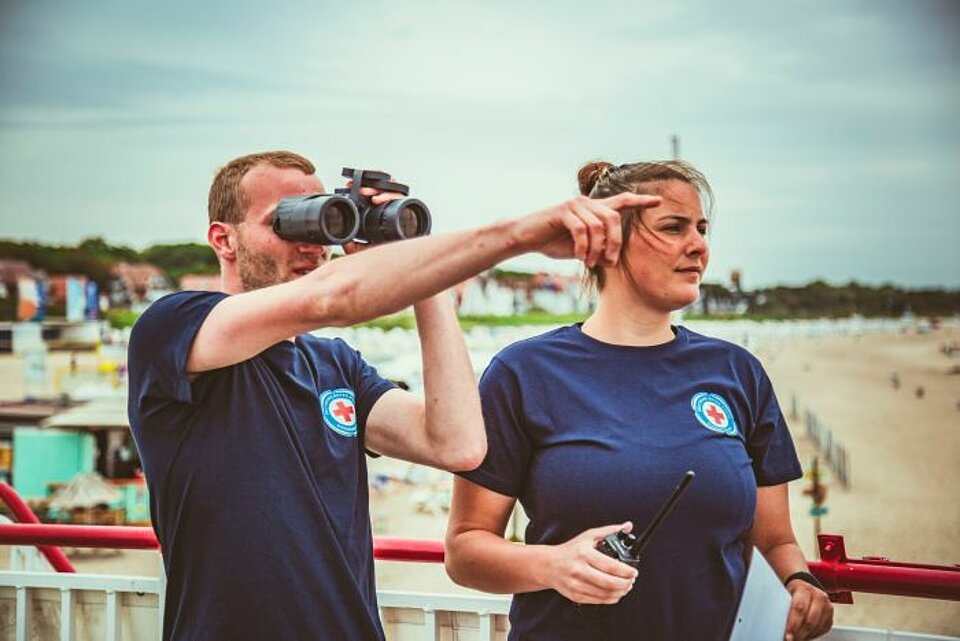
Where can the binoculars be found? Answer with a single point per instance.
(345, 215)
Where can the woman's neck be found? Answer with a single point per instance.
(623, 320)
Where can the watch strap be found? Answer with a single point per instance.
(807, 578)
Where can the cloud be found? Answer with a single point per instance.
(817, 123)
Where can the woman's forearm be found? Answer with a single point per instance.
(484, 561)
(785, 559)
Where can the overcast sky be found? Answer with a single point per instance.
(830, 130)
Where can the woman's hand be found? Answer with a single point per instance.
(811, 613)
(580, 572)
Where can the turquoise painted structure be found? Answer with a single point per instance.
(44, 456)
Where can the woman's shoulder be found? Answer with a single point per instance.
(544, 343)
(698, 341)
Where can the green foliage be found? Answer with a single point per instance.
(508, 274)
(54, 259)
(183, 258)
(403, 321)
(94, 258)
(406, 321)
(821, 300)
(519, 320)
(121, 318)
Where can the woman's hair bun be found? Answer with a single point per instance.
(590, 173)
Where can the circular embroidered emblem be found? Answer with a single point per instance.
(339, 411)
(714, 413)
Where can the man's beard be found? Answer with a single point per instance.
(256, 270)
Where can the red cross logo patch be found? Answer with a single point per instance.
(339, 410)
(713, 412)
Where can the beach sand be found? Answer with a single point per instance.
(904, 451)
(903, 501)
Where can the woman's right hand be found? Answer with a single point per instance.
(583, 574)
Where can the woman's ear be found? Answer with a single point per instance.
(220, 236)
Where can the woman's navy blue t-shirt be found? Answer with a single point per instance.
(258, 481)
(588, 434)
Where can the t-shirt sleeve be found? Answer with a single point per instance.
(160, 344)
(769, 444)
(505, 468)
(368, 385)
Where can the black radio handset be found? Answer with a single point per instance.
(627, 547)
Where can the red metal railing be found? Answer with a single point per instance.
(55, 556)
(120, 537)
(840, 575)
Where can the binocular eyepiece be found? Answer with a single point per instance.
(345, 215)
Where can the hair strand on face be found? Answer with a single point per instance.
(601, 179)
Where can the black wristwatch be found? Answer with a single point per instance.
(806, 577)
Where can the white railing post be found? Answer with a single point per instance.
(68, 627)
(488, 625)
(162, 593)
(113, 616)
(430, 624)
(24, 613)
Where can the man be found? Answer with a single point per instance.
(253, 433)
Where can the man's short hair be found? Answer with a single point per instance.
(227, 202)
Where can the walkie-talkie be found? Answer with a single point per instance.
(627, 546)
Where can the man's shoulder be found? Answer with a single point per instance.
(169, 317)
(168, 308)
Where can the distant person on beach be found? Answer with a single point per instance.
(254, 433)
(591, 426)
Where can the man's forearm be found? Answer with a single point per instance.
(452, 417)
(391, 277)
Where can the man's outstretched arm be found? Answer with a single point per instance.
(391, 277)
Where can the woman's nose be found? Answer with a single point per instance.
(698, 244)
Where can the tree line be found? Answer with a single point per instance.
(94, 258)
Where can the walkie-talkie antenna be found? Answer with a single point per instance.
(644, 538)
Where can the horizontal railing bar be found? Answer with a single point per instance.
(838, 573)
(94, 582)
(445, 602)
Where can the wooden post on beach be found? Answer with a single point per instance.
(818, 492)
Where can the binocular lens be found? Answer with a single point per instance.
(321, 219)
(409, 222)
(338, 219)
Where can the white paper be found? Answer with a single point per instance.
(764, 606)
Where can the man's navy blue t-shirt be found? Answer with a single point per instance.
(588, 434)
(258, 481)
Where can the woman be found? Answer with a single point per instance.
(594, 424)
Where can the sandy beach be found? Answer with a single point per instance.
(904, 452)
